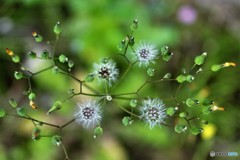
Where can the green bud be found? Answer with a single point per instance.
(122, 45)
(131, 41)
(70, 63)
(207, 102)
(89, 78)
(151, 72)
(133, 103)
(191, 102)
(98, 131)
(38, 37)
(57, 30)
(2, 113)
(167, 55)
(180, 128)
(216, 67)
(15, 58)
(56, 106)
(181, 78)
(45, 54)
(55, 69)
(56, 140)
(36, 134)
(31, 96)
(196, 130)
(18, 75)
(134, 26)
(183, 114)
(206, 110)
(171, 111)
(189, 78)
(32, 55)
(127, 121)
(21, 112)
(62, 58)
(13, 103)
(167, 76)
(199, 60)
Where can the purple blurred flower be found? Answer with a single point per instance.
(187, 14)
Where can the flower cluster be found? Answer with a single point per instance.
(106, 70)
(153, 112)
(89, 114)
(146, 53)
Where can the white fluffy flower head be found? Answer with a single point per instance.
(106, 70)
(146, 53)
(88, 114)
(153, 112)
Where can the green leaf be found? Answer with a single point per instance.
(133, 103)
(127, 121)
(196, 130)
(151, 72)
(45, 54)
(199, 60)
(2, 113)
(171, 111)
(191, 102)
(180, 128)
(57, 30)
(56, 140)
(15, 58)
(13, 103)
(207, 110)
(189, 78)
(31, 96)
(56, 106)
(183, 114)
(89, 78)
(36, 134)
(62, 58)
(32, 55)
(181, 78)
(167, 76)
(98, 131)
(21, 112)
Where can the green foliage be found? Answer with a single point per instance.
(57, 29)
(56, 106)
(181, 78)
(151, 72)
(196, 130)
(133, 103)
(21, 112)
(171, 111)
(2, 113)
(126, 121)
(98, 131)
(56, 140)
(180, 128)
(15, 58)
(191, 102)
(31, 96)
(199, 60)
(18, 75)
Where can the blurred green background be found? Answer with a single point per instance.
(93, 29)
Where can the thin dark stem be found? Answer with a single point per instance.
(65, 151)
(66, 124)
(43, 70)
(35, 120)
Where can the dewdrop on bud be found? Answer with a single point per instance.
(57, 30)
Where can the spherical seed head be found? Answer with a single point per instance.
(146, 53)
(106, 70)
(153, 112)
(89, 114)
